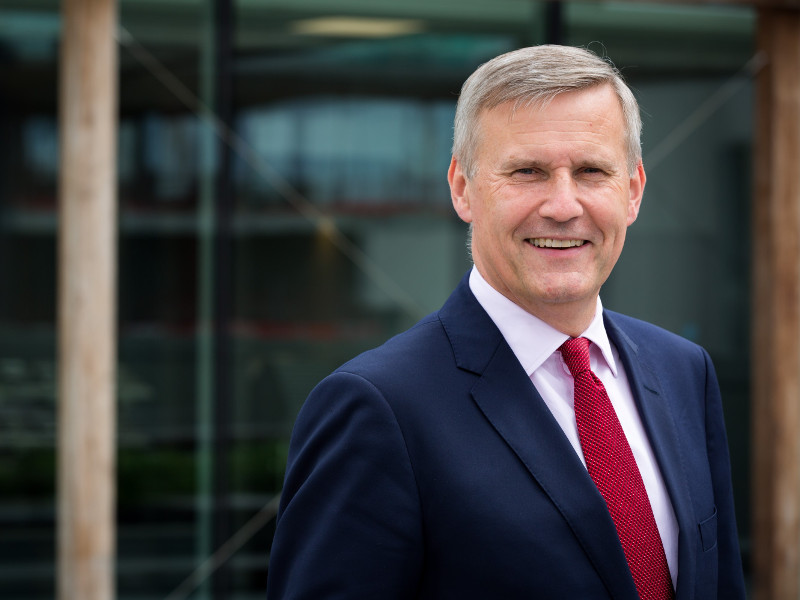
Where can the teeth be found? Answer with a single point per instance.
(550, 243)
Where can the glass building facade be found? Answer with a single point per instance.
(283, 205)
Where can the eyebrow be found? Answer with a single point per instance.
(517, 162)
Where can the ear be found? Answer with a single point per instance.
(458, 191)
(636, 192)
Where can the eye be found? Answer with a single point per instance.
(526, 172)
(591, 172)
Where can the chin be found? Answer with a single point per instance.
(561, 291)
(555, 297)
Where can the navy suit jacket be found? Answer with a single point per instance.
(430, 468)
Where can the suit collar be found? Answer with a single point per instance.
(655, 410)
(513, 407)
(531, 339)
(472, 334)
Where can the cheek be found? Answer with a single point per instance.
(507, 212)
(613, 216)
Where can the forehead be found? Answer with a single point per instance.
(589, 119)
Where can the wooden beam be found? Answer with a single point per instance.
(776, 308)
(87, 300)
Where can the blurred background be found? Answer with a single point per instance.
(283, 205)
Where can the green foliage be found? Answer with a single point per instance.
(147, 474)
(28, 474)
(258, 467)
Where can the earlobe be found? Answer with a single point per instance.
(636, 192)
(458, 191)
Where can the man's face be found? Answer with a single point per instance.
(551, 201)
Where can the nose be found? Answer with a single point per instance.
(561, 202)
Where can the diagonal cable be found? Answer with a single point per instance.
(324, 222)
(704, 111)
(228, 549)
(695, 119)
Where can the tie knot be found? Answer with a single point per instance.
(576, 355)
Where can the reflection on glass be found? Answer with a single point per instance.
(361, 129)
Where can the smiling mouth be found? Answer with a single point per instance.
(551, 243)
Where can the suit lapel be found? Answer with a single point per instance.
(515, 410)
(655, 411)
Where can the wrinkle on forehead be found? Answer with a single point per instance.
(592, 128)
(597, 121)
(589, 123)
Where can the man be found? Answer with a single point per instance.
(476, 456)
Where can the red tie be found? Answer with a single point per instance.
(612, 467)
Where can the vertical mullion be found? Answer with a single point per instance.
(204, 363)
(223, 291)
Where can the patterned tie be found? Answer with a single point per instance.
(612, 467)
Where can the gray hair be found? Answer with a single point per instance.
(534, 76)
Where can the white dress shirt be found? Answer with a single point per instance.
(535, 344)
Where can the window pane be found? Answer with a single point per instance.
(331, 230)
(28, 176)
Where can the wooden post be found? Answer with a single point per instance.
(87, 301)
(776, 308)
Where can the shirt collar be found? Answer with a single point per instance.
(531, 339)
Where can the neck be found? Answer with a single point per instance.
(571, 318)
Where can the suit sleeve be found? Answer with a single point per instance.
(349, 525)
(730, 576)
